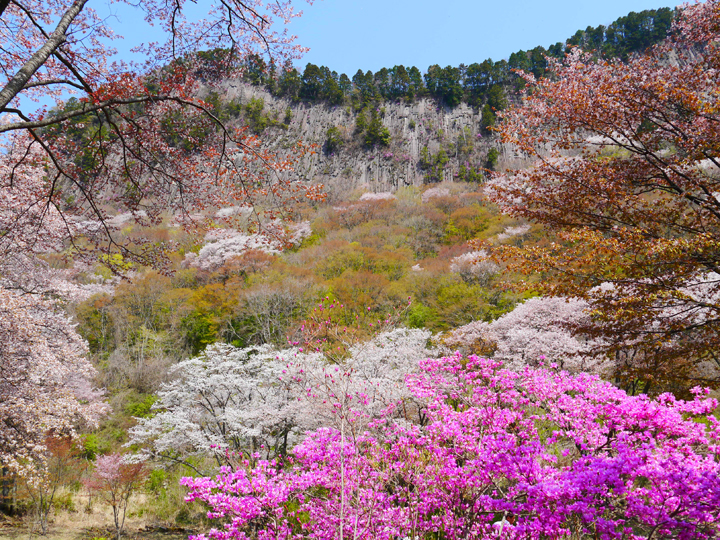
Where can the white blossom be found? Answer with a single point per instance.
(474, 266)
(231, 211)
(224, 399)
(509, 232)
(381, 196)
(536, 329)
(435, 192)
(44, 379)
(258, 399)
(225, 244)
(121, 219)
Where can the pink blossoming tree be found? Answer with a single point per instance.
(115, 481)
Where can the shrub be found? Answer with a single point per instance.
(535, 454)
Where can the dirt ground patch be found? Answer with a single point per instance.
(87, 533)
(84, 526)
(88, 521)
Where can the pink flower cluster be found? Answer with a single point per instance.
(535, 454)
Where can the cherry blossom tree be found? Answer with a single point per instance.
(627, 172)
(474, 266)
(537, 330)
(223, 245)
(44, 380)
(532, 454)
(259, 400)
(224, 401)
(115, 481)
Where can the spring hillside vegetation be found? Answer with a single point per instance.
(239, 300)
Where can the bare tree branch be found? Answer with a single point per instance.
(22, 77)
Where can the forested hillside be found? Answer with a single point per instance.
(243, 301)
(400, 126)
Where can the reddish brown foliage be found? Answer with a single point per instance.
(628, 172)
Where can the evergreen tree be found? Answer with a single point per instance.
(345, 84)
(488, 118)
(289, 83)
(331, 91)
(417, 88)
(376, 134)
(478, 78)
(399, 83)
(431, 80)
(519, 61)
(333, 139)
(255, 70)
(496, 98)
(537, 62)
(382, 83)
(365, 90)
(313, 82)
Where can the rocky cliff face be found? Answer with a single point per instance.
(419, 129)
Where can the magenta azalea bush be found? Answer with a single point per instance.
(537, 454)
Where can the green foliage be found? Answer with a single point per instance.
(185, 133)
(89, 446)
(312, 83)
(354, 257)
(476, 84)
(289, 83)
(467, 173)
(312, 240)
(445, 84)
(157, 482)
(463, 145)
(634, 32)
(433, 164)
(360, 122)
(64, 502)
(200, 330)
(496, 98)
(255, 70)
(488, 118)
(141, 406)
(376, 133)
(492, 159)
(166, 505)
(334, 139)
(96, 324)
(420, 316)
(257, 119)
(319, 83)
(183, 516)
(223, 110)
(365, 91)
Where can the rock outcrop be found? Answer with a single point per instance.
(417, 129)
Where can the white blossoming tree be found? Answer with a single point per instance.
(539, 328)
(231, 402)
(44, 381)
(223, 401)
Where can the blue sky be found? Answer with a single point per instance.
(370, 34)
(347, 35)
